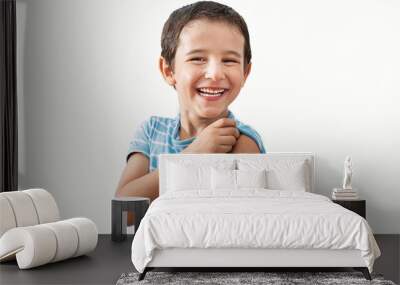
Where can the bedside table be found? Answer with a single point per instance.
(119, 208)
(357, 206)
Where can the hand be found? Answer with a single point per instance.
(218, 137)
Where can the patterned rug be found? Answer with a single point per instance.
(269, 278)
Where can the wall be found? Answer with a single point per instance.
(325, 79)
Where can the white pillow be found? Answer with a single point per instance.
(251, 178)
(293, 177)
(223, 179)
(184, 175)
(181, 177)
(236, 179)
(282, 174)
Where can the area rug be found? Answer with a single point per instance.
(269, 278)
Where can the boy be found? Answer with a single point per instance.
(206, 57)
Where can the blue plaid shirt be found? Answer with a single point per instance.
(161, 135)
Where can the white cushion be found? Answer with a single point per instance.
(32, 246)
(7, 215)
(45, 205)
(185, 175)
(40, 244)
(87, 232)
(289, 177)
(223, 179)
(226, 179)
(251, 178)
(67, 237)
(27, 208)
(23, 208)
(282, 174)
(182, 178)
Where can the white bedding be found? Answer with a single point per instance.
(250, 218)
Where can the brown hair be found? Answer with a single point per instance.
(200, 10)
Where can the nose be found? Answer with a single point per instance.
(215, 71)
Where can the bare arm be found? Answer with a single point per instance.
(245, 144)
(136, 179)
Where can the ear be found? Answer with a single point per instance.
(166, 71)
(246, 73)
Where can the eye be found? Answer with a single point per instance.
(198, 59)
(230, 61)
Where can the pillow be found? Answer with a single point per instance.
(236, 179)
(290, 176)
(223, 179)
(281, 174)
(251, 178)
(181, 177)
(185, 175)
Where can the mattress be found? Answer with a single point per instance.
(250, 219)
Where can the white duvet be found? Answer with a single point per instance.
(250, 218)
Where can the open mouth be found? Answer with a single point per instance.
(211, 93)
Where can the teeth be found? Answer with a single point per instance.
(208, 92)
(212, 91)
(209, 95)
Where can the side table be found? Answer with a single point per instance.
(357, 206)
(119, 208)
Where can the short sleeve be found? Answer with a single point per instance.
(141, 140)
(249, 131)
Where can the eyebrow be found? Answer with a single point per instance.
(203, 50)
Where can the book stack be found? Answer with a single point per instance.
(344, 194)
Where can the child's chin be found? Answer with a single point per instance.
(215, 113)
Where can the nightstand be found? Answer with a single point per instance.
(357, 206)
(119, 208)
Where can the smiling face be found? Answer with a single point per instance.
(208, 68)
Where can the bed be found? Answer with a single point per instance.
(246, 211)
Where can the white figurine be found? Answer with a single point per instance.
(348, 172)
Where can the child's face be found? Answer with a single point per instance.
(209, 55)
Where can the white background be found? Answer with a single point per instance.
(325, 79)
